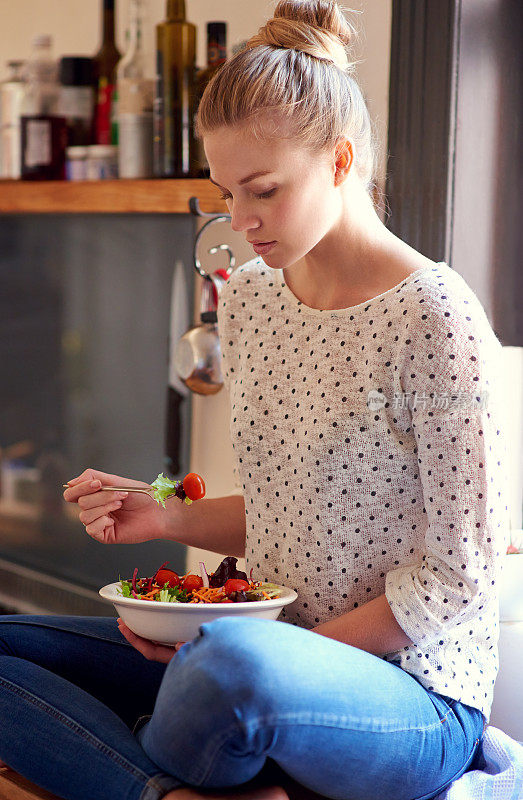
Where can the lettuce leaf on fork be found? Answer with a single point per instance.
(163, 488)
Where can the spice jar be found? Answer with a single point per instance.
(102, 162)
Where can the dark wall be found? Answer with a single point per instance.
(84, 323)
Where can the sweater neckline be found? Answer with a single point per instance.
(301, 306)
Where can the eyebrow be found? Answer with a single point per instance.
(245, 180)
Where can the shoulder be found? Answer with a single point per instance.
(245, 282)
(248, 274)
(443, 306)
(449, 334)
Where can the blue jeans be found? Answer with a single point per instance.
(86, 716)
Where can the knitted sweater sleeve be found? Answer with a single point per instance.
(448, 379)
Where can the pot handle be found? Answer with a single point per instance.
(209, 298)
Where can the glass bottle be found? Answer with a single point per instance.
(135, 103)
(216, 56)
(43, 130)
(174, 143)
(105, 61)
(77, 99)
(11, 99)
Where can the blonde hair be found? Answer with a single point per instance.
(297, 65)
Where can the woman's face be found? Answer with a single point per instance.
(280, 195)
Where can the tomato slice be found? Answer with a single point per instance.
(191, 583)
(164, 576)
(235, 585)
(194, 486)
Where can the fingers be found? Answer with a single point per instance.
(150, 651)
(92, 514)
(80, 489)
(87, 475)
(102, 530)
(96, 506)
(98, 499)
(87, 494)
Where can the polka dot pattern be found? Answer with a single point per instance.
(357, 478)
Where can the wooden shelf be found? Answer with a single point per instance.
(108, 197)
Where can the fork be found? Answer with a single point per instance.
(144, 490)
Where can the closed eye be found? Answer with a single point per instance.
(265, 195)
(262, 196)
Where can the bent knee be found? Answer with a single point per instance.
(249, 641)
(244, 650)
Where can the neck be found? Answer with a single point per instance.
(358, 258)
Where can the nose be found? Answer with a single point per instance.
(242, 219)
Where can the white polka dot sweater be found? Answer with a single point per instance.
(370, 456)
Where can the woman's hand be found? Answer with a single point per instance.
(115, 517)
(148, 649)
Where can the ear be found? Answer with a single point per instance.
(344, 157)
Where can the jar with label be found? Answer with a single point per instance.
(44, 131)
(77, 98)
(102, 162)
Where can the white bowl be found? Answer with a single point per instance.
(168, 623)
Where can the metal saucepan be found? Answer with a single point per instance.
(198, 356)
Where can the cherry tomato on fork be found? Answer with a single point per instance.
(164, 576)
(194, 486)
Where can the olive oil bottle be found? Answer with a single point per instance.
(175, 97)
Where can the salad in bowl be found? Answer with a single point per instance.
(168, 608)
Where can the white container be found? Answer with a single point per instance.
(507, 707)
(76, 163)
(102, 162)
(168, 623)
(135, 145)
(511, 588)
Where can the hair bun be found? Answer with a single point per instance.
(316, 27)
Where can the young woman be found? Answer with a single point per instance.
(367, 438)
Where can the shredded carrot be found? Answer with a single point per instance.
(208, 595)
(150, 595)
(267, 597)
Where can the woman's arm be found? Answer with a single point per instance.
(216, 524)
(371, 627)
(450, 368)
(453, 389)
(127, 518)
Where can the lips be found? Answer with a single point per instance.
(262, 247)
